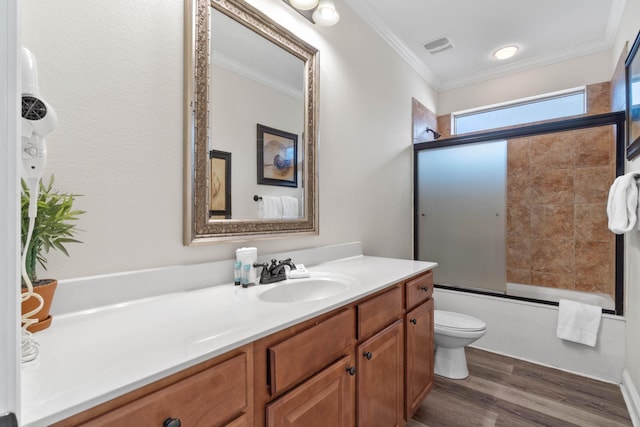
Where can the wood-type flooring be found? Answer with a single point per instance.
(506, 392)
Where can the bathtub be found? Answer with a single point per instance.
(553, 294)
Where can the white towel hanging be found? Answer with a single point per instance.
(289, 207)
(622, 203)
(270, 207)
(578, 322)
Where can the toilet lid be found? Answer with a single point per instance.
(452, 320)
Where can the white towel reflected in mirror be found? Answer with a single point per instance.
(278, 207)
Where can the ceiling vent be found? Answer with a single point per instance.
(438, 45)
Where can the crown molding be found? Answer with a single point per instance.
(613, 23)
(370, 17)
(526, 65)
(440, 84)
(244, 70)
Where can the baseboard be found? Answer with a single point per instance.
(631, 397)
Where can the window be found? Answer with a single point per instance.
(551, 106)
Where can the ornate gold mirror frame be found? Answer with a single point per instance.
(199, 227)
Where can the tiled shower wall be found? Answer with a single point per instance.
(557, 187)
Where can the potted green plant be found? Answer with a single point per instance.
(54, 227)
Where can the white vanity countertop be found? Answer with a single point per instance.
(87, 358)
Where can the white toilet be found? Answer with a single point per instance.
(452, 332)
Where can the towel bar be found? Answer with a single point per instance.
(256, 198)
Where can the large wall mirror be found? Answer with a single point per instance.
(250, 126)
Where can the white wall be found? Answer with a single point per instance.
(628, 30)
(114, 73)
(584, 70)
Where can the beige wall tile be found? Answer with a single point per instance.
(552, 151)
(599, 98)
(552, 221)
(518, 156)
(592, 147)
(592, 259)
(591, 222)
(518, 190)
(444, 125)
(519, 221)
(592, 184)
(518, 253)
(522, 277)
(552, 255)
(551, 280)
(552, 186)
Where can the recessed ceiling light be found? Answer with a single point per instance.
(505, 52)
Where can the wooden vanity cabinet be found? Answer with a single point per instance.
(368, 363)
(304, 375)
(419, 347)
(308, 374)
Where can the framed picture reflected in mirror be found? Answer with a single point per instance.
(220, 185)
(277, 157)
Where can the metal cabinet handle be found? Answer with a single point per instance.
(368, 355)
(172, 422)
(414, 321)
(351, 370)
(425, 288)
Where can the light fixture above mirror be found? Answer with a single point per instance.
(303, 4)
(321, 12)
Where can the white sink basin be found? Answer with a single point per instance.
(313, 288)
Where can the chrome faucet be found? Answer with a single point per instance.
(276, 272)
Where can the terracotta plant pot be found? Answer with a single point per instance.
(46, 291)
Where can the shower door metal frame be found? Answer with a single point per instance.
(616, 118)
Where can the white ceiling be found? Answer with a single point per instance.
(546, 31)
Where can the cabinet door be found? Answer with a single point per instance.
(419, 354)
(380, 378)
(327, 399)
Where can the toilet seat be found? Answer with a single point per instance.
(448, 320)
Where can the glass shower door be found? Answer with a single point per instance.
(462, 214)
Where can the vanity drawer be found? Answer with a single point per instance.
(419, 289)
(212, 397)
(242, 421)
(306, 353)
(379, 312)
